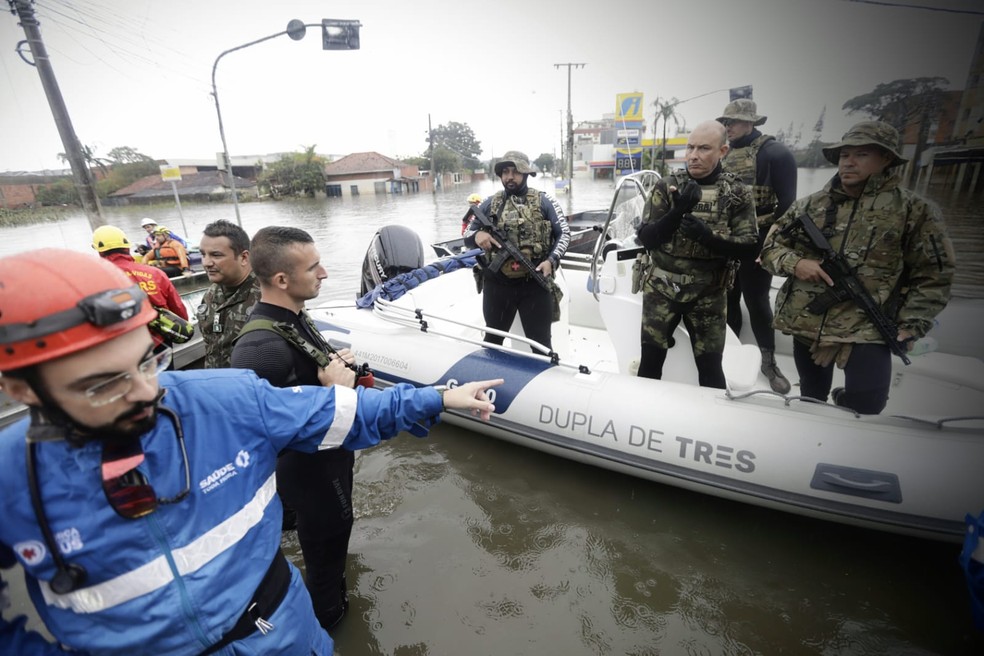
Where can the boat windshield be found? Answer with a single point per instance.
(625, 216)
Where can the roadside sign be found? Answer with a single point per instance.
(628, 137)
(169, 173)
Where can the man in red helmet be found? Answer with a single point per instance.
(148, 523)
(112, 244)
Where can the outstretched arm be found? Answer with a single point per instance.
(473, 397)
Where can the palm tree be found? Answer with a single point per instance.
(666, 110)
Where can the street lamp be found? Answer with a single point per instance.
(336, 35)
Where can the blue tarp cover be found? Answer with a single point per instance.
(396, 287)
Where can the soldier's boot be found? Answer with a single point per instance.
(770, 369)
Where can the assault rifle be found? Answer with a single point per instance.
(507, 246)
(848, 287)
(363, 374)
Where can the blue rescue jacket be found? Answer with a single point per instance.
(175, 581)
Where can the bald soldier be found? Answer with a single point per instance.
(696, 223)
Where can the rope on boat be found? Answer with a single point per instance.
(728, 394)
(416, 317)
(937, 423)
(940, 423)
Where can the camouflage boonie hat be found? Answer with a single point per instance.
(865, 133)
(517, 159)
(742, 109)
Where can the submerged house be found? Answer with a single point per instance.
(203, 186)
(370, 173)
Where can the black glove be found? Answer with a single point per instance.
(695, 229)
(654, 233)
(685, 198)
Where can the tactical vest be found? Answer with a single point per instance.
(523, 224)
(872, 233)
(683, 255)
(221, 315)
(742, 162)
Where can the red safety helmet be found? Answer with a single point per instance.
(54, 302)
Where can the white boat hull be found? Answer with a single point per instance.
(882, 472)
(916, 469)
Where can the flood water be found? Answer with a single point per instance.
(468, 545)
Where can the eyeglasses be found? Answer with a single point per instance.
(727, 122)
(126, 488)
(118, 386)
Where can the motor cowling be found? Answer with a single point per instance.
(393, 250)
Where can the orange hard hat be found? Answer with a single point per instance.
(55, 302)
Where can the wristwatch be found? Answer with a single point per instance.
(441, 390)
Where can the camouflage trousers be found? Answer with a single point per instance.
(703, 309)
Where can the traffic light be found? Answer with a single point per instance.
(339, 34)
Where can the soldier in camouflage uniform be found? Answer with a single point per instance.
(768, 169)
(897, 243)
(534, 223)
(234, 291)
(695, 224)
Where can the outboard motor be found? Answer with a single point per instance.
(393, 250)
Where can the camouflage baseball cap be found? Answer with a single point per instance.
(743, 109)
(865, 133)
(517, 159)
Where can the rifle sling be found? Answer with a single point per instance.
(291, 335)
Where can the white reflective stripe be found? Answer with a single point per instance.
(157, 574)
(978, 553)
(346, 402)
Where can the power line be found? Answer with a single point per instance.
(120, 35)
(927, 8)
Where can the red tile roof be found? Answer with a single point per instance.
(369, 162)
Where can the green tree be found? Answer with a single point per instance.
(126, 166)
(295, 174)
(421, 162)
(127, 155)
(446, 160)
(902, 102)
(459, 139)
(62, 192)
(811, 157)
(89, 156)
(546, 162)
(121, 167)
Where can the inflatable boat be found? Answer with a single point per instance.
(917, 469)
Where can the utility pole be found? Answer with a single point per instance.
(81, 175)
(430, 151)
(570, 130)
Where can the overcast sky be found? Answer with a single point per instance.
(137, 73)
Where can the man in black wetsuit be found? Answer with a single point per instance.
(768, 170)
(317, 486)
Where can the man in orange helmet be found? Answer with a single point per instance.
(148, 523)
(168, 254)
